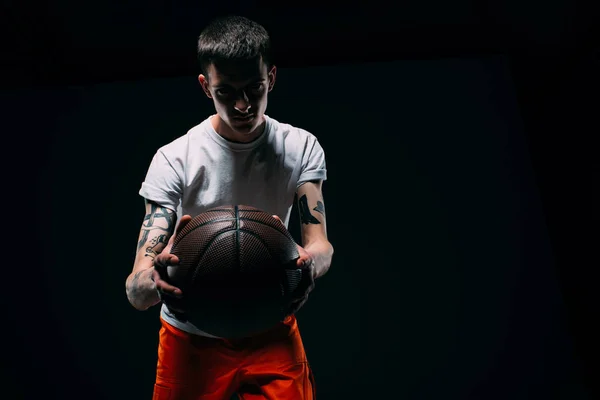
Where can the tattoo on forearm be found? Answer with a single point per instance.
(136, 277)
(154, 243)
(135, 292)
(305, 216)
(133, 284)
(148, 225)
(146, 234)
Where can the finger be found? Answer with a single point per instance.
(303, 261)
(164, 287)
(183, 222)
(278, 219)
(163, 260)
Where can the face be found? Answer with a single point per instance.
(239, 91)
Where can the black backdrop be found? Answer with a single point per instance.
(454, 199)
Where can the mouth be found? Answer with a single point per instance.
(246, 118)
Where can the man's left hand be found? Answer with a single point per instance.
(306, 263)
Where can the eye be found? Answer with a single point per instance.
(223, 92)
(256, 87)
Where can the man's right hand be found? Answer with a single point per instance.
(159, 273)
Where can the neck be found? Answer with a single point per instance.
(226, 132)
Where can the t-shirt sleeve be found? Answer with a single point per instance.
(313, 162)
(163, 183)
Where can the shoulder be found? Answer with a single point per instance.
(180, 145)
(291, 132)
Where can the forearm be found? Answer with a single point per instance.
(322, 253)
(141, 290)
(158, 226)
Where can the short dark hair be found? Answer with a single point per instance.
(232, 38)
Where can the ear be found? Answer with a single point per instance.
(272, 75)
(204, 83)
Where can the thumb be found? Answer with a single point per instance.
(182, 223)
(278, 219)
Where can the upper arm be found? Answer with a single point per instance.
(157, 228)
(163, 182)
(311, 207)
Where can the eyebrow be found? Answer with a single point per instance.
(256, 80)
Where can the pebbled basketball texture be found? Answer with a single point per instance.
(237, 270)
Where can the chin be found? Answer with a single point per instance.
(244, 127)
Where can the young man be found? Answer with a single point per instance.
(237, 156)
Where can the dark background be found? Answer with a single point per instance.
(458, 203)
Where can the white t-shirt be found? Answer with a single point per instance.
(201, 170)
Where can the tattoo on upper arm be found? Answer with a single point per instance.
(160, 232)
(320, 208)
(305, 216)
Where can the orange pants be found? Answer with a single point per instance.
(271, 365)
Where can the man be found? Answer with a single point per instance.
(237, 156)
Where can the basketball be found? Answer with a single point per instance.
(237, 270)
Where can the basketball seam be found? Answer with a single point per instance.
(229, 209)
(261, 240)
(237, 247)
(203, 254)
(232, 219)
(210, 242)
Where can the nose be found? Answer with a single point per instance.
(242, 103)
